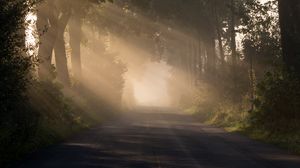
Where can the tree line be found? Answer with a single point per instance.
(244, 53)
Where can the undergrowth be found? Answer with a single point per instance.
(274, 119)
(48, 117)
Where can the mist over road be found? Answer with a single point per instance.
(154, 137)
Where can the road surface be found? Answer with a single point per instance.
(154, 138)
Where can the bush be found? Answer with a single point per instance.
(278, 102)
(46, 117)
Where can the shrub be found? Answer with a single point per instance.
(278, 102)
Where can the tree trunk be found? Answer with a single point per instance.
(200, 59)
(60, 51)
(219, 36)
(233, 41)
(75, 39)
(211, 56)
(221, 49)
(252, 83)
(47, 28)
(188, 67)
(198, 63)
(193, 62)
(290, 33)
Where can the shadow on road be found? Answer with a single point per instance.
(153, 137)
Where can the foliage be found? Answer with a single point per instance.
(278, 102)
(224, 104)
(17, 120)
(47, 117)
(14, 65)
(289, 141)
(260, 27)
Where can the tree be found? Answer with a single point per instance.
(15, 65)
(60, 49)
(46, 25)
(51, 24)
(290, 33)
(75, 41)
(232, 25)
(53, 18)
(16, 118)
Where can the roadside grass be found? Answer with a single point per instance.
(234, 121)
(287, 141)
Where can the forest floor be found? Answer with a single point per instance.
(160, 138)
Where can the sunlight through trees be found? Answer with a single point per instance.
(68, 64)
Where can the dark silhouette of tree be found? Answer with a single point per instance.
(290, 33)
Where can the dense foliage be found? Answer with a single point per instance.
(15, 66)
(277, 102)
(17, 120)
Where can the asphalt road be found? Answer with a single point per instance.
(158, 139)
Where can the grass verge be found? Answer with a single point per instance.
(286, 141)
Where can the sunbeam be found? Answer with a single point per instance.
(145, 81)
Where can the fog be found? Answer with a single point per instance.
(136, 61)
(152, 88)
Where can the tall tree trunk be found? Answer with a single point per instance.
(75, 39)
(219, 36)
(47, 28)
(220, 44)
(249, 53)
(210, 44)
(233, 41)
(205, 59)
(200, 59)
(211, 56)
(198, 66)
(252, 83)
(193, 62)
(290, 33)
(60, 51)
(188, 61)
